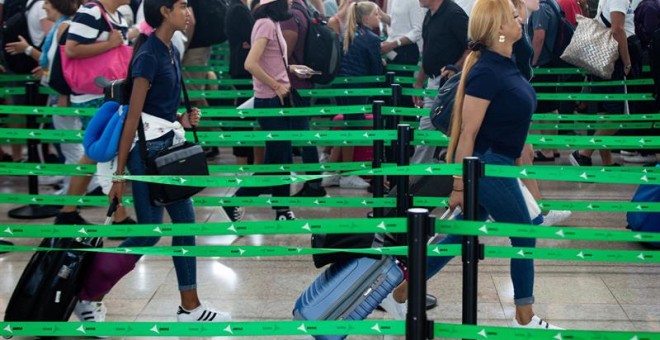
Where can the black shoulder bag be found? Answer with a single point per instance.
(183, 159)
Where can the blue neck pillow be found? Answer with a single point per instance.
(102, 135)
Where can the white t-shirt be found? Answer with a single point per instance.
(34, 17)
(407, 18)
(622, 6)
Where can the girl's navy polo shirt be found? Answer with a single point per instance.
(512, 101)
(154, 63)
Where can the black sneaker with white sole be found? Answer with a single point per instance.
(235, 214)
(286, 215)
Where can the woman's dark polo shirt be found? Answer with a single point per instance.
(154, 63)
(512, 101)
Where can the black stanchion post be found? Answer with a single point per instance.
(403, 199)
(389, 78)
(33, 211)
(391, 123)
(472, 171)
(419, 229)
(378, 181)
(397, 94)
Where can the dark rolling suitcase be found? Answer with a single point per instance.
(49, 286)
(348, 290)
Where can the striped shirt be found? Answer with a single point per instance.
(87, 27)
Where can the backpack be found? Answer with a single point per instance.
(210, 21)
(16, 24)
(565, 32)
(443, 105)
(645, 221)
(322, 47)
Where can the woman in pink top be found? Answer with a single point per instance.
(268, 65)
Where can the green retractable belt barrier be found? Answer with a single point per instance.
(375, 328)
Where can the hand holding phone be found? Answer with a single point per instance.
(303, 71)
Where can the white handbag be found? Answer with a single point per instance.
(592, 48)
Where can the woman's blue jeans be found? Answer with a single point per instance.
(502, 199)
(147, 213)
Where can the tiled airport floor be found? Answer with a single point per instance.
(575, 295)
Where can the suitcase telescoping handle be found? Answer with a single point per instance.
(111, 211)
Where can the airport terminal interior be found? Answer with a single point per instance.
(570, 294)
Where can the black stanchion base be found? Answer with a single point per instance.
(33, 212)
(431, 302)
(5, 243)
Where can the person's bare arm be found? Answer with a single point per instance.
(472, 115)
(619, 34)
(77, 50)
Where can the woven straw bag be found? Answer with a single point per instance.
(592, 48)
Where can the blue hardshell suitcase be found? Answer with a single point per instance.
(348, 290)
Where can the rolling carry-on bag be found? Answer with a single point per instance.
(49, 286)
(348, 290)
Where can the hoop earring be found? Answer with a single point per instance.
(502, 38)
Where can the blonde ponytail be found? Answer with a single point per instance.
(351, 26)
(457, 111)
(356, 11)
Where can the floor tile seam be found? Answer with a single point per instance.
(609, 289)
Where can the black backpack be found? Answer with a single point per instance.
(210, 22)
(322, 47)
(16, 24)
(565, 32)
(443, 105)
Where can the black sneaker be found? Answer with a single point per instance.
(71, 218)
(286, 215)
(98, 191)
(235, 214)
(127, 220)
(309, 191)
(213, 152)
(578, 160)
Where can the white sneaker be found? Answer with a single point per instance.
(90, 311)
(324, 157)
(639, 158)
(332, 179)
(51, 180)
(555, 217)
(535, 323)
(353, 182)
(396, 309)
(203, 313)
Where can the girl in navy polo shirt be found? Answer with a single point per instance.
(155, 89)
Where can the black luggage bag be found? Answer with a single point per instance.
(49, 286)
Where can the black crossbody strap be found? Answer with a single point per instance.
(607, 23)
